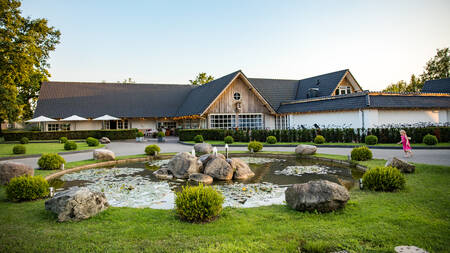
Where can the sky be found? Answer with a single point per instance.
(381, 42)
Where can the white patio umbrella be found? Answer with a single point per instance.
(104, 118)
(39, 120)
(74, 118)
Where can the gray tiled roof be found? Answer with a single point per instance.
(326, 84)
(437, 86)
(275, 91)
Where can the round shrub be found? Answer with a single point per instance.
(139, 134)
(92, 142)
(51, 161)
(384, 179)
(161, 134)
(371, 140)
(19, 149)
(24, 140)
(430, 139)
(198, 203)
(271, 139)
(319, 139)
(198, 139)
(63, 139)
(228, 140)
(70, 145)
(27, 188)
(152, 149)
(255, 146)
(361, 154)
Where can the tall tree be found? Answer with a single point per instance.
(25, 45)
(201, 78)
(127, 81)
(399, 86)
(437, 67)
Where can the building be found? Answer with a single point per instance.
(236, 101)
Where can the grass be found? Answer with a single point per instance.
(443, 144)
(40, 148)
(371, 222)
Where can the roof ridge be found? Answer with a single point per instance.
(325, 74)
(356, 94)
(109, 83)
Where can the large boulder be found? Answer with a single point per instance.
(163, 173)
(200, 178)
(203, 148)
(305, 149)
(9, 170)
(77, 204)
(401, 165)
(104, 140)
(104, 154)
(183, 164)
(241, 169)
(322, 195)
(207, 157)
(219, 169)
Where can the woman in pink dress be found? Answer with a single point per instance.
(406, 144)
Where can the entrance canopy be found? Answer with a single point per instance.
(74, 118)
(106, 117)
(40, 119)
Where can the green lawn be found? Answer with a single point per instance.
(443, 144)
(39, 148)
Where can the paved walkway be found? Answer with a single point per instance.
(122, 148)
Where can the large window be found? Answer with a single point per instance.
(58, 127)
(250, 121)
(223, 121)
(228, 121)
(282, 122)
(122, 124)
(167, 124)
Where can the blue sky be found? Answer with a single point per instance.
(171, 41)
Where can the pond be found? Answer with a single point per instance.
(134, 185)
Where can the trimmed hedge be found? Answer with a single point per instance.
(198, 139)
(51, 161)
(384, 135)
(70, 145)
(319, 139)
(19, 149)
(384, 179)
(371, 140)
(271, 139)
(63, 139)
(430, 139)
(27, 188)
(73, 135)
(92, 142)
(24, 140)
(361, 154)
(256, 146)
(228, 139)
(152, 149)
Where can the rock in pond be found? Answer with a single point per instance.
(183, 164)
(104, 154)
(104, 140)
(219, 169)
(203, 148)
(322, 195)
(200, 178)
(163, 173)
(401, 165)
(207, 157)
(241, 169)
(305, 149)
(77, 204)
(10, 170)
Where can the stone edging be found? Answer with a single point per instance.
(39, 155)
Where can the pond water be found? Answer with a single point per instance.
(134, 185)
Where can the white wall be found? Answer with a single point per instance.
(411, 116)
(86, 125)
(143, 123)
(269, 121)
(349, 118)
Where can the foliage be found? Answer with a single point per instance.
(271, 139)
(25, 47)
(198, 139)
(19, 149)
(79, 134)
(430, 139)
(371, 140)
(152, 149)
(70, 145)
(161, 134)
(228, 140)
(24, 140)
(256, 146)
(384, 179)
(319, 139)
(51, 161)
(27, 188)
(316, 247)
(127, 81)
(139, 134)
(201, 78)
(361, 154)
(438, 67)
(198, 203)
(91, 142)
(63, 139)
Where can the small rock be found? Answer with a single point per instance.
(200, 178)
(104, 154)
(10, 170)
(163, 173)
(305, 149)
(203, 148)
(104, 140)
(242, 170)
(183, 164)
(401, 165)
(409, 249)
(219, 169)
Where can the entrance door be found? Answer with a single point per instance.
(113, 124)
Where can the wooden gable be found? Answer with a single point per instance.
(348, 81)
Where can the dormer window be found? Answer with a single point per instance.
(342, 90)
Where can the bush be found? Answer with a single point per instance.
(139, 134)
(27, 188)
(79, 134)
(430, 139)
(91, 142)
(384, 179)
(255, 146)
(371, 140)
(228, 139)
(152, 149)
(70, 145)
(161, 134)
(51, 161)
(19, 149)
(198, 203)
(319, 139)
(271, 139)
(361, 154)
(63, 139)
(24, 140)
(198, 139)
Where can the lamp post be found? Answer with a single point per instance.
(51, 192)
(193, 152)
(226, 151)
(215, 151)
